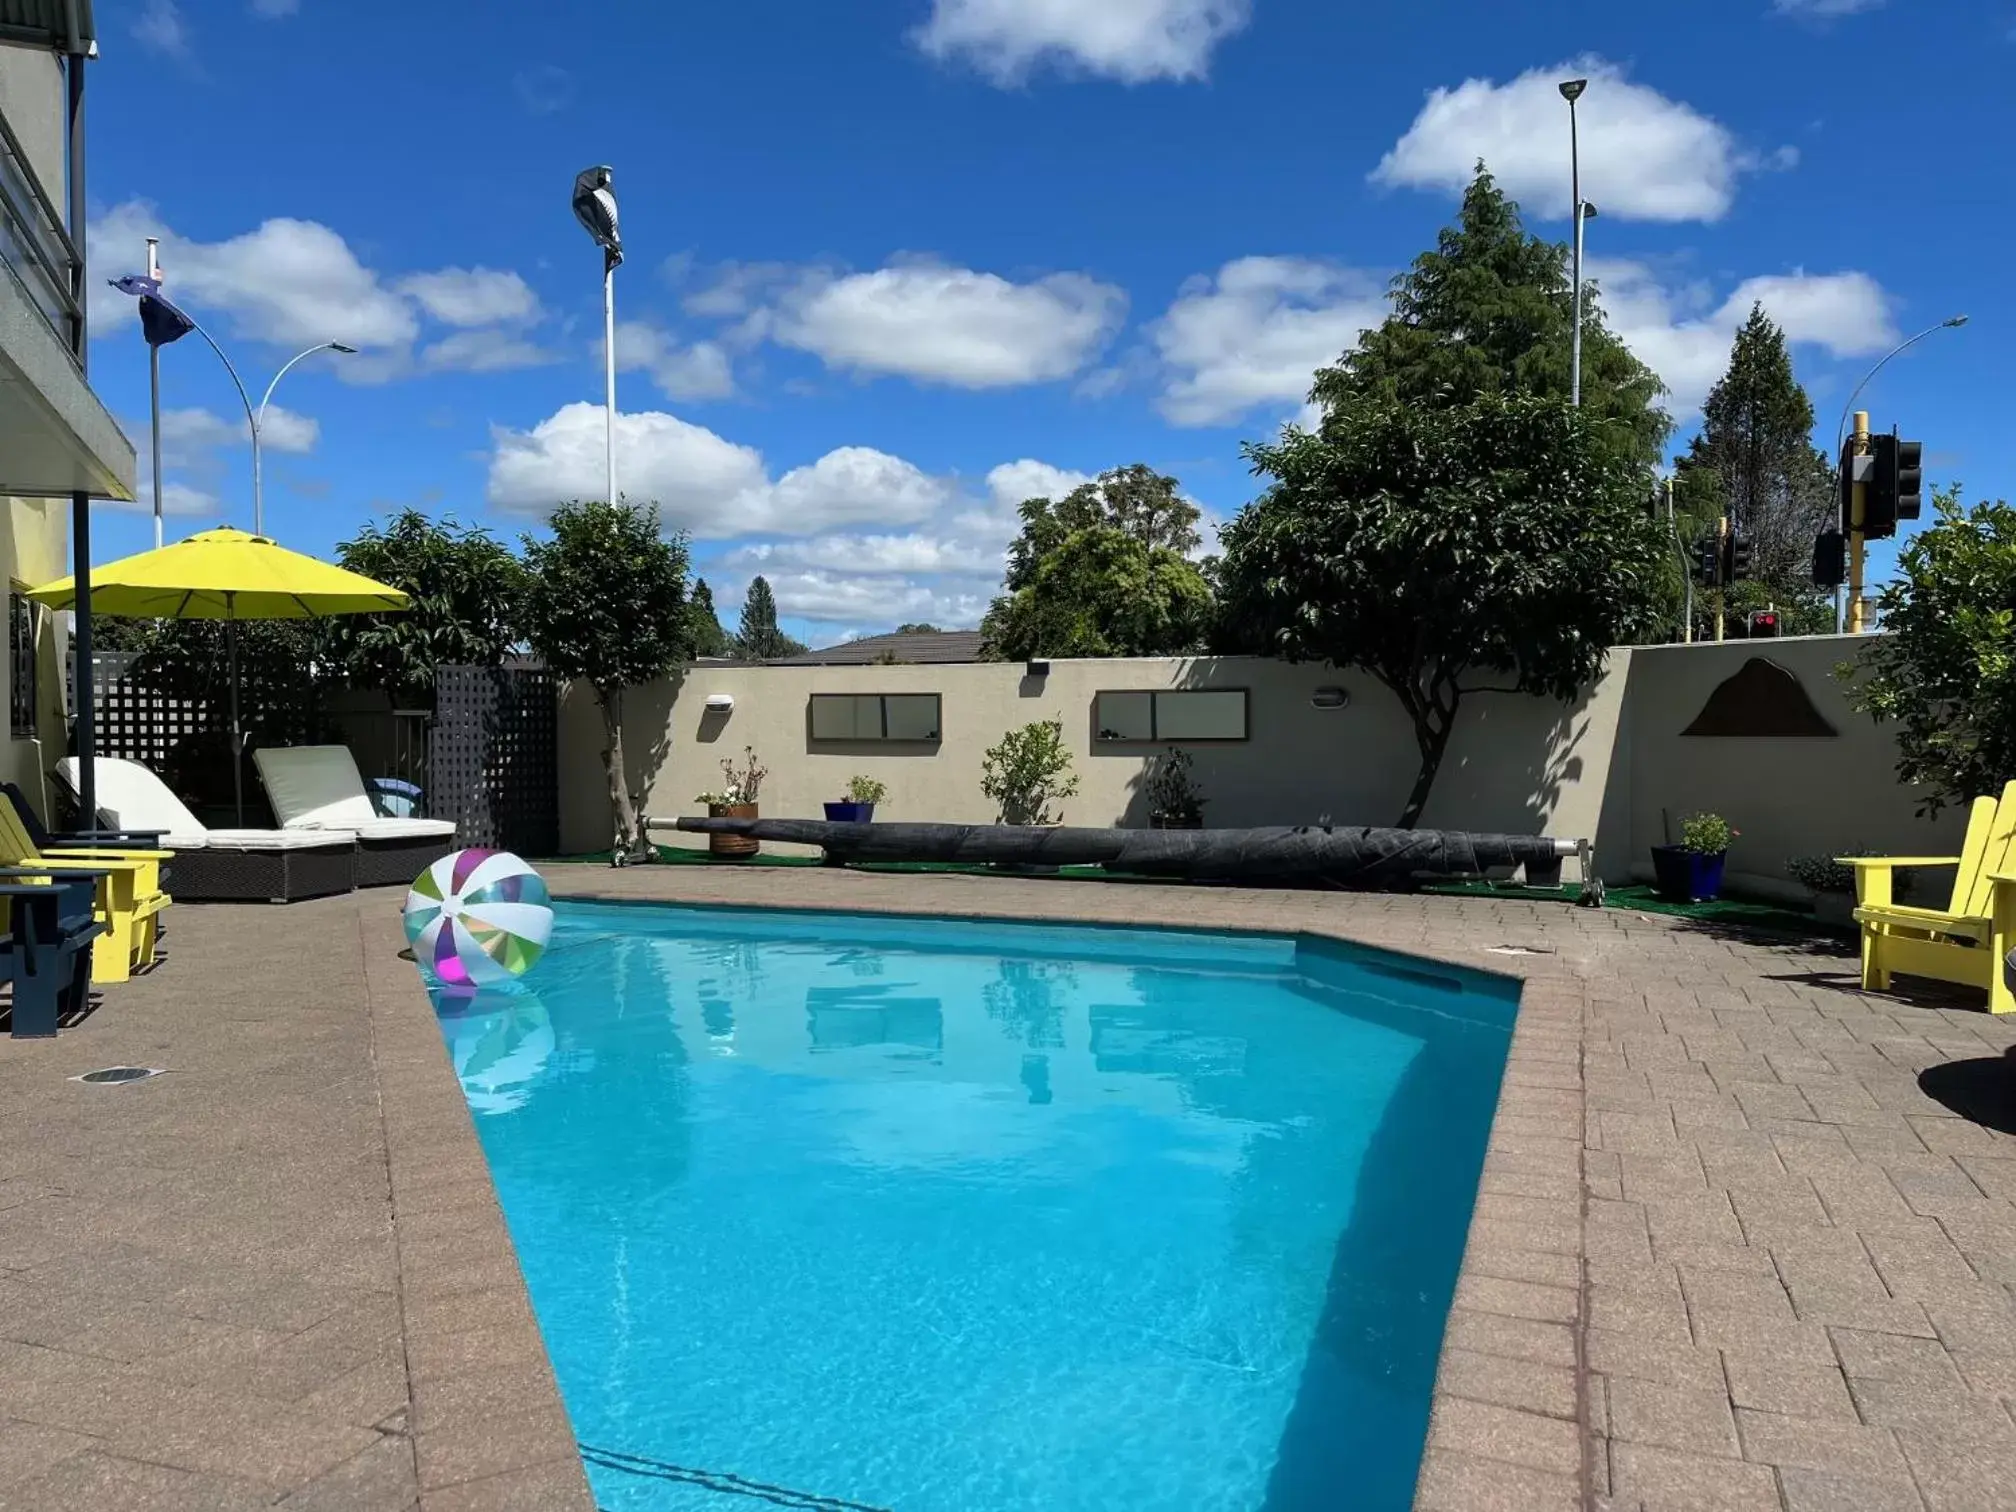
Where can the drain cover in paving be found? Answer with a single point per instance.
(113, 1075)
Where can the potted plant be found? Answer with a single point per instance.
(1832, 884)
(736, 800)
(1691, 872)
(858, 807)
(1174, 801)
(1027, 770)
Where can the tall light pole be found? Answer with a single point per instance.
(1845, 612)
(1950, 323)
(259, 423)
(1571, 91)
(595, 208)
(164, 322)
(154, 386)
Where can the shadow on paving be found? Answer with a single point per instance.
(1982, 1090)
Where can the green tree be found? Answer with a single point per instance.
(1500, 546)
(1104, 571)
(758, 638)
(1754, 461)
(1101, 592)
(919, 628)
(467, 589)
(606, 605)
(709, 639)
(1491, 311)
(1136, 500)
(1944, 670)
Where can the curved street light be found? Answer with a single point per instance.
(1571, 91)
(1952, 322)
(259, 422)
(595, 208)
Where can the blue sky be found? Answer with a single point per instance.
(894, 264)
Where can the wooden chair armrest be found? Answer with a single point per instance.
(1884, 863)
(66, 873)
(112, 853)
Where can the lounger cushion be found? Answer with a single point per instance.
(314, 787)
(277, 840)
(403, 829)
(130, 797)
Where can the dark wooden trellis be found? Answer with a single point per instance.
(494, 757)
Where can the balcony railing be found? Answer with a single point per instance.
(34, 244)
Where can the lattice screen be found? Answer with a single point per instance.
(493, 760)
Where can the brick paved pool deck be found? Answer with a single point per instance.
(1746, 1237)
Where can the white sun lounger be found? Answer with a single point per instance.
(218, 866)
(318, 788)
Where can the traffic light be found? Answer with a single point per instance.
(1896, 485)
(1740, 555)
(1830, 560)
(1708, 562)
(1763, 624)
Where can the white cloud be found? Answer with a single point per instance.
(829, 598)
(472, 296)
(1823, 9)
(1684, 334)
(874, 556)
(484, 350)
(941, 324)
(273, 10)
(713, 487)
(1133, 41)
(179, 499)
(1256, 333)
(290, 282)
(160, 26)
(544, 89)
(1012, 482)
(188, 434)
(1644, 156)
(700, 371)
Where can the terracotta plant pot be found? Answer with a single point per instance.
(735, 847)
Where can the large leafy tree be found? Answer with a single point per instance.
(1498, 546)
(1491, 311)
(606, 605)
(1101, 592)
(709, 639)
(467, 589)
(1754, 461)
(1103, 571)
(1944, 671)
(758, 638)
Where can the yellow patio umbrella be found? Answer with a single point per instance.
(224, 575)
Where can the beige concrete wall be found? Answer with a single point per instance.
(1789, 797)
(1515, 764)
(34, 549)
(32, 98)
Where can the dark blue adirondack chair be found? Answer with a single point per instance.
(46, 952)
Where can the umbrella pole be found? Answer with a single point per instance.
(237, 739)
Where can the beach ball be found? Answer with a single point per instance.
(477, 918)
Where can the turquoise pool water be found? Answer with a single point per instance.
(841, 1212)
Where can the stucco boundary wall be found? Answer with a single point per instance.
(1615, 767)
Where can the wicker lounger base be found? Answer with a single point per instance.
(263, 876)
(381, 863)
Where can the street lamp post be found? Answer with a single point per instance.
(259, 424)
(595, 208)
(1571, 91)
(1950, 323)
(165, 322)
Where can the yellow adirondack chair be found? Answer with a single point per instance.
(1966, 941)
(129, 900)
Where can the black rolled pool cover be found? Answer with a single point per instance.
(1222, 855)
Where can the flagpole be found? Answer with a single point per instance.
(154, 387)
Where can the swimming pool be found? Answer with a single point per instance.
(842, 1211)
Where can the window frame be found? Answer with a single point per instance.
(24, 665)
(1155, 735)
(936, 737)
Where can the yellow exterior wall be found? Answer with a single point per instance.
(35, 548)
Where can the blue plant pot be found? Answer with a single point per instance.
(1684, 876)
(850, 813)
